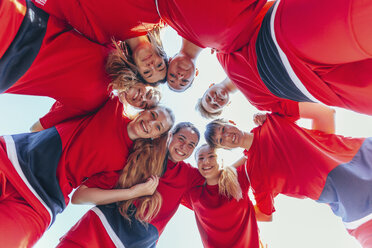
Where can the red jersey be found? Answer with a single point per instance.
(102, 20)
(105, 227)
(177, 179)
(75, 76)
(223, 222)
(94, 144)
(287, 159)
(226, 25)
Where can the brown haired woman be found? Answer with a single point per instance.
(146, 217)
(39, 170)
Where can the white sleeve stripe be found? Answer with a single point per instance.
(114, 238)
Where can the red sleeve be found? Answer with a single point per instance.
(72, 13)
(104, 180)
(241, 70)
(265, 202)
(193, 177)
(59, 113)
(243, 178)
(186, 201)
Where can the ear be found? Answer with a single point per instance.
(196, 72)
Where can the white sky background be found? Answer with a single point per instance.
(297, 223)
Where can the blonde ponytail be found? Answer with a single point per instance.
(228, 184)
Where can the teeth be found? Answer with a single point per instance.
(143, 127)
(207, 168)
(179, 153)
(135, 96)
(234, 137)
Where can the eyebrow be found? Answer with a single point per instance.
(162, 69)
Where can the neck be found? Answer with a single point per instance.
(212, 181)
(132, 135)
(190, 49)
(228, 85)
(136, 41)
(247, 140)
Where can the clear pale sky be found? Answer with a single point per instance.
(297, 223)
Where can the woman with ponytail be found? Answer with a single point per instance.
(138, 222)
(223, 211)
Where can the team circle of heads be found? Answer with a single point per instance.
(108, 137)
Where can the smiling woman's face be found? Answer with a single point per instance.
(182, 144)
(151, 123)
(140, 96)
(150, 64)
(207, 162)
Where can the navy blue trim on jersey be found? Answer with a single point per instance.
(38, 156)
(270, 66)
(24, 48)
(348, 189)
(132, 234)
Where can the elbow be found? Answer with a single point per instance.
(75, 200)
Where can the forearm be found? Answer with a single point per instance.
(261, 216)
(97, 196)
(323, 117)
(239, 162)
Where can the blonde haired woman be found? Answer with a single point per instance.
(224, 213)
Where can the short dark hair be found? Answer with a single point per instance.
(210, 131)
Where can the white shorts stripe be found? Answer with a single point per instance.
(357, 223)
(115, 239)
(285, 60)
(12, 155)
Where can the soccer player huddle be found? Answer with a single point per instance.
(100, 60)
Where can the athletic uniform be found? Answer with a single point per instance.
(220, 29)
(103, 226)
(309, 52)
(339, 172)
(43, 168)
(223, 222)
(74, 74)
(102, 20)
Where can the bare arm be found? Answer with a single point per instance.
(261, 216)
(239, 162)
(36, 127)
(323, 117)
(97, 196)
